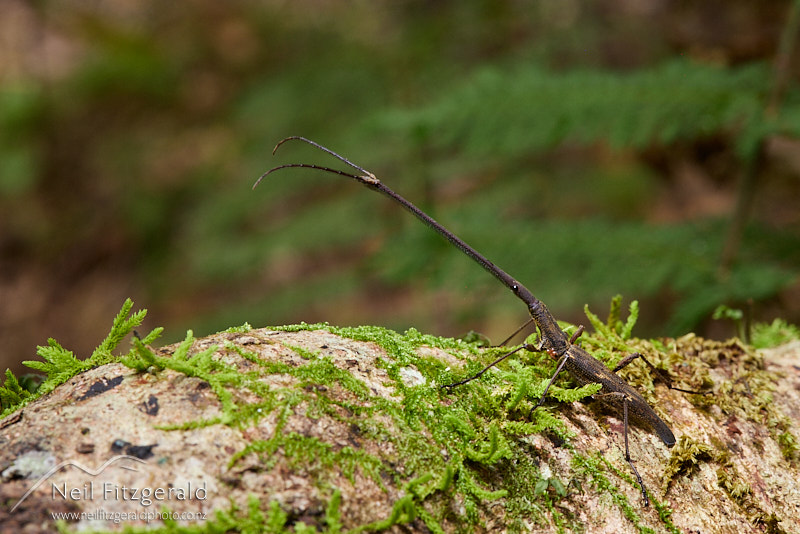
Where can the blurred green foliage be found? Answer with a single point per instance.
(774, 334)
(526, 109)
(537, 134)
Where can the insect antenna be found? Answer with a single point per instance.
(367, 179)
(324, 149)
(305, 166)
(554, 339)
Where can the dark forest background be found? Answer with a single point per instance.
(649, 148)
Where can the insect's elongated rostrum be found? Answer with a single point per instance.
(580, 364)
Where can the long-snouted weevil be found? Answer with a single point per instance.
(583, 367)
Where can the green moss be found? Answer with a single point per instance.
(688, 454)
(12, 393)
(734, 486)
(685, 458)
(219, 375)
(481, 424)
(59, 364)
(688, 362)
(535, 497)
(787, 442)
(243, 329)
(454, 452)
(741, 494)
(778, 332)
(747, 390)
(595, 471)
(474, 428)
(311, 455)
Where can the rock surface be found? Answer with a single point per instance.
(307, 446)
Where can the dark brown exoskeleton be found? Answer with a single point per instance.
(584, 368)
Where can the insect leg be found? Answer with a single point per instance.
(659, 373)
(515, 332)
(550, 383)
(498, 360)
(576, 335)
(625, 400)
(628, 454)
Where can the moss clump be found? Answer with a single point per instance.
(686, 456)
(778, 332)
(60, 365)
(455, 452)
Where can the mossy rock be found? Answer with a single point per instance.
(316, 428)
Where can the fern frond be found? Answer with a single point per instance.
(529, 109)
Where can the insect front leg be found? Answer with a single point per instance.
(560, 366)
(514, 334)
(479, 373)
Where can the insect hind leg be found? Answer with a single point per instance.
(660, 374)
(625, 401)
